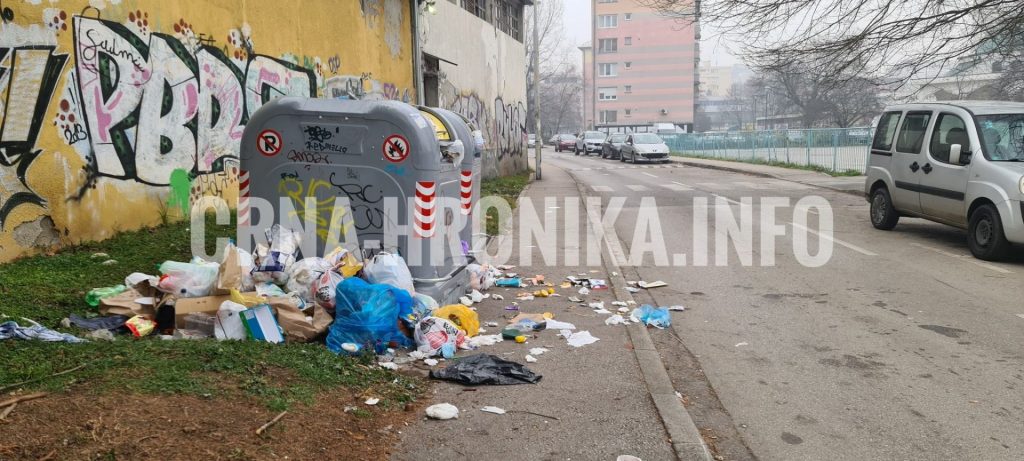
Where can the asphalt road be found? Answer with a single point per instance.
(902, 346)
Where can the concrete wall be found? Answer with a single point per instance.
(487, 84)
(114, 114)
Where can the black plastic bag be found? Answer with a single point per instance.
(486, 369)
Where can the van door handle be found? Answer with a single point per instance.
(914, 167)
(927, 168)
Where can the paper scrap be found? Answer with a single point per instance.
(531, 359)
(372, 401)
(552, 324)
(578, 339)
(495, 410)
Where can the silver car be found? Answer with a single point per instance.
(959, 163)
(643, 146)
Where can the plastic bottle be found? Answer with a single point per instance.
(96, 294)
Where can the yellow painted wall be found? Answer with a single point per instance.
(112, 112)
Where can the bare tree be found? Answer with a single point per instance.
(553, 51)
(855, 100)
(560, 107)
(897, 38)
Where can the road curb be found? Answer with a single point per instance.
(763, 175)
(687, 442)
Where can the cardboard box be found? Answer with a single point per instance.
(124, 304)
(204, 304)
(261, 324)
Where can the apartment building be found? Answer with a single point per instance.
(639, 69)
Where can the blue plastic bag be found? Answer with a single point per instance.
(369, 315)
(654, 316)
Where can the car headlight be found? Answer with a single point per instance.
(1021, 185)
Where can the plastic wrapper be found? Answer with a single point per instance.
(390, 269)
(188, 280)
(463, 317)
(370, 315)
(303, 273)
(344, 261)
(481, 277)
(423, 306)
(140, 326)
(653, 316)
(272, 263)
(437, 336)
(324, 290)
(486, 369)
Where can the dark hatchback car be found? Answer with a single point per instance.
(565, 143)
(612, 147)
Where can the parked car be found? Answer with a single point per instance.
(531, 140)
(565, 143)
(590, 141)
(612, 147)
(644, 146)
(552, 140)
(959, 163)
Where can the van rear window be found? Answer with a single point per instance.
(886, 131)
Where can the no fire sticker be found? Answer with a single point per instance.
(269, 143)
(395, 148)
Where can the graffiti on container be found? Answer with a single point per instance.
(365, 203)
(317, 133)
(323, 196)
(305, 156)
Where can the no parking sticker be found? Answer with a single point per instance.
(395, 148)
(269, 143)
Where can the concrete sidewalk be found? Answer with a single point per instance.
(847, 184)
(596, 392)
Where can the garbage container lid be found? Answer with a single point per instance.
(440, 129)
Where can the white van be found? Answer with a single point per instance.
(959, 163)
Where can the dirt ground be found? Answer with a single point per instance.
(87, 425)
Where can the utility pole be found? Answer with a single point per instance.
(538, 139)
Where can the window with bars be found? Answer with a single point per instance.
(477, 7)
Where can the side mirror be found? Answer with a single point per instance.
(954, 154)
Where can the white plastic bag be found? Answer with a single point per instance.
(272, 262)
(187, 280)
(303, 273)
(229, 322)
(324, 290)
(437, 336)
(390, 269)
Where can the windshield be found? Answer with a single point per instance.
(1002, 137)
(593, 135)
(647, 138)
(617, 138)
(566, 137)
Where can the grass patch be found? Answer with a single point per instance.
(780, 164)
(48, 288)
(507, 187)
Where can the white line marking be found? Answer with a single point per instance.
(727, 199)
(677, 187)
(601, 188)
(648, 174)
(966, 258)
(835, 240)
(637, 187)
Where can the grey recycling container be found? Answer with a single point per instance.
(386, 173)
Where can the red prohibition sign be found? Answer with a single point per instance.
(269, 143)
(395, 148)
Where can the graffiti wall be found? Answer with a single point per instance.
(117, 114)
(483, 79)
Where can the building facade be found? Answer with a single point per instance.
(474, 63)
(640, 69)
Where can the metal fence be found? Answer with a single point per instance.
(834, 149)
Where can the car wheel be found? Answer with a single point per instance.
(985, 234)
(883, 215)
(632, 158)
(576, 150)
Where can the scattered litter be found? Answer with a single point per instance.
(430, 362)
(505, 267)
(508, 283)
(616, 320)
(627, 458)
(632, 289)
(140, 326)
(676, 308)
(109, 262)
(575, 299)
(741, 344)
(418, 355)
(477, 296)
(349, 409)
(578, 339)
(463, 317)
(538, 351)
(491, 324)
(566, 285)
(94, 296)
(584, 291)
(497, 297)
(652, 316)
(556, 325)
(438, 336)
(531, 359)
(631, 282)
(598, 284)
(477, 342)
(615, 274)
(512, 307)
(104, 335)
(596, 305)
(525, 296)
(388, 365)
(656, 284)
(466, 301)
(99, 255)
(486, 369)
(623, 310)
(112, 322)
(495, 410)
(372, 401)
(618, 303)
(442, 411)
